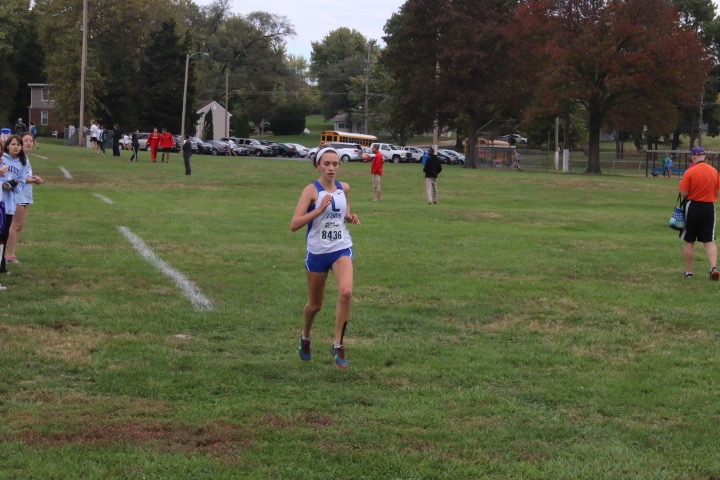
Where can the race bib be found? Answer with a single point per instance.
(331, 231)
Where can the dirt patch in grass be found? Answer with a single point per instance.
(217, 438)
(58, 340)
(308, 419)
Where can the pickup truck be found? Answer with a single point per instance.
(391, 153)
(413, 154)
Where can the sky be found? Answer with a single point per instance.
(314, 19)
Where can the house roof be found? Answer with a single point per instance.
(208, 104)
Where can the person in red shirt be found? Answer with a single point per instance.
(699, 190)
(376, 169)
(154, 142)
(166, 143)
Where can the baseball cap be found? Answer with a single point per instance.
(697, 151)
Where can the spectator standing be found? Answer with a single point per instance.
(101, 139)
(94, 137)
(135, 145)
(20, 127)
(24, 200)
(432, 169)
(187, 153)
(699, 190)
(13, 182)
(116, 140)
(33, 132)
(376, 170)
(667, 164)
(154, 142)
(516, 161)
(167, 142)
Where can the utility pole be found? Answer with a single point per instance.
(184, 107)
(227, 113)
(83, 69)
(367, 87)
(700, 121)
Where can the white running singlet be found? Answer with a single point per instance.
(328, 232)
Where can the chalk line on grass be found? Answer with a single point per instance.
(65, 172)
(103, 198)
(188, 288)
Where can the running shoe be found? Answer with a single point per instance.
(339, 354)
(304, 350)
(687, 274)
(714, 274)
(12, 259)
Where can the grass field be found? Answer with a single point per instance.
(529, 326)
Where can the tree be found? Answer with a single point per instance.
(208, 132)
(288, 119)
(447, 60)
(115, 81)
(611, 57)
(21, 59)
(249, 52)
(163, 67)
(699, 15)
(334, 61)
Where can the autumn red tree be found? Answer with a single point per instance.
(629, 62)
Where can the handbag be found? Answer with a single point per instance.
(677, 220)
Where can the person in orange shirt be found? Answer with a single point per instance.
(154, 142)
(699, 190)
(166, 143)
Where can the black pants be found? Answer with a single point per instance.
(135, 149)
(5, 235)
(186, 159)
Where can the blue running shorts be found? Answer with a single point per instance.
(323, 263)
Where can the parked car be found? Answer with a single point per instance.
(367, 154)
(254, 146)
(444, 158)
(391, 153)
(413, 154)
(452, 156)
(287, 150)
(348, 152)
(200, 147)
(312, 152)
(458, 158)
(274, 150)
(301, 149)
(235, 149)
(218, 147)
(512, 138)
(142, 140)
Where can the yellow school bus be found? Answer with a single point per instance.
(496, 153)
(346, 137)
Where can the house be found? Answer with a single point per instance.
(344, 124)
(220, 118)
(42, 107)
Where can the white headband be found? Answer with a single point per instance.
(322, 152)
